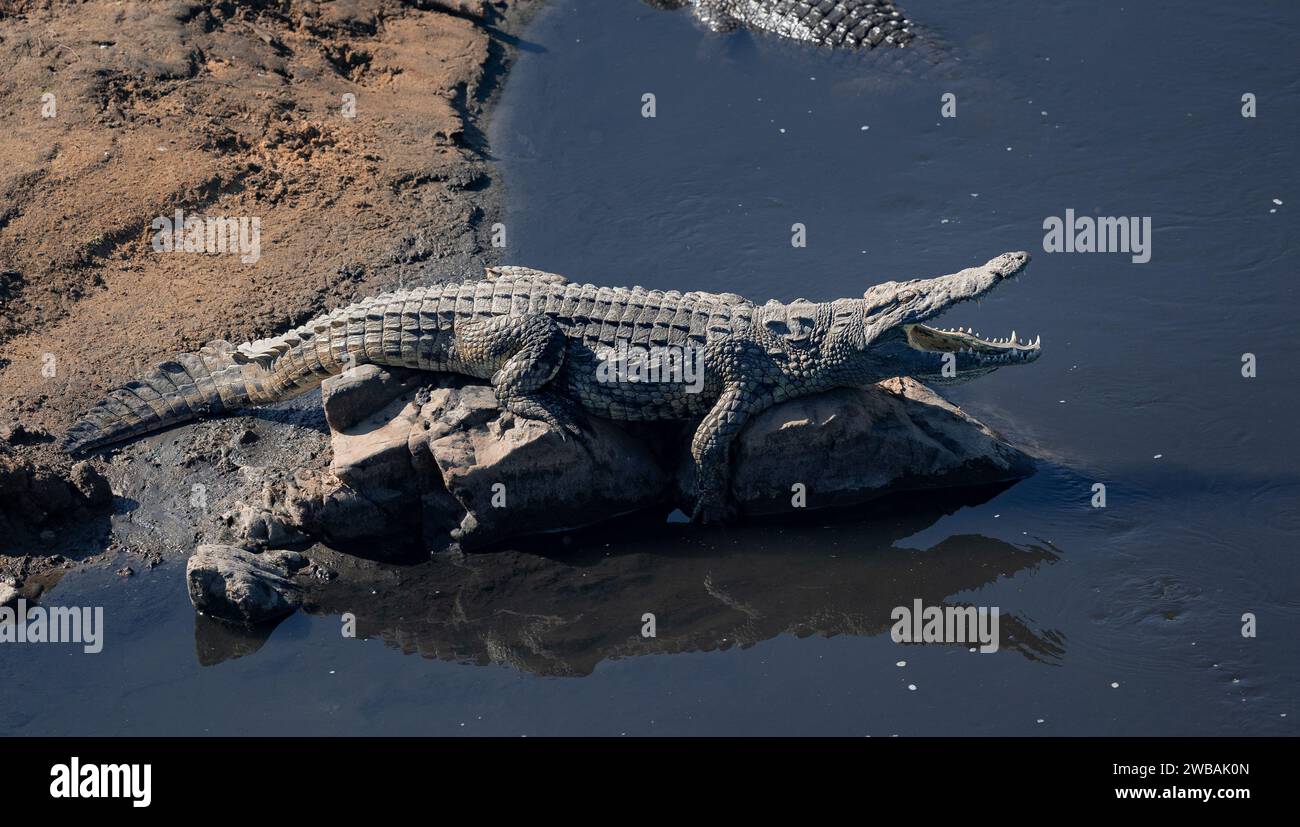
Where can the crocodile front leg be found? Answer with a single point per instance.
(711, 450)
(529, 351)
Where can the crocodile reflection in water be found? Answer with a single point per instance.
(565, 611)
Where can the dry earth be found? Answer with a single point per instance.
(233, 109)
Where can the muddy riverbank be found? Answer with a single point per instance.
(347, 141)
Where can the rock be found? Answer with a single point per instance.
(318, 505)
(92, 486)
(447, 467)
(509, 476)
(49, 504)
(236, 585)
(437, 467)
(476, 9)
(849, 446)
(372, 455)
(8, 594)
(263, 527)
(360, 392)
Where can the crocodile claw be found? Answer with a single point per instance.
(565, 424)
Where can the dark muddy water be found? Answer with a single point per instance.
(1118, 620)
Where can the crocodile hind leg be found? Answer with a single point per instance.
(530, 351)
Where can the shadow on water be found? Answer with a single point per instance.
(562, 605)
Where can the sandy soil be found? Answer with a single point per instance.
(232, 109)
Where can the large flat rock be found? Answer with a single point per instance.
(849, 446)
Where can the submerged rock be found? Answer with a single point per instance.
(233, 584)
(443, 466)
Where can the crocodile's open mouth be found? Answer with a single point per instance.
(991, 351)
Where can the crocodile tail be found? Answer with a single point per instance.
(222, 378)
(216, 379)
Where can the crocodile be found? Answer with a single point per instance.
(545, 344)
(834, 23)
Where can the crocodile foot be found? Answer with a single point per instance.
(545, 407)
